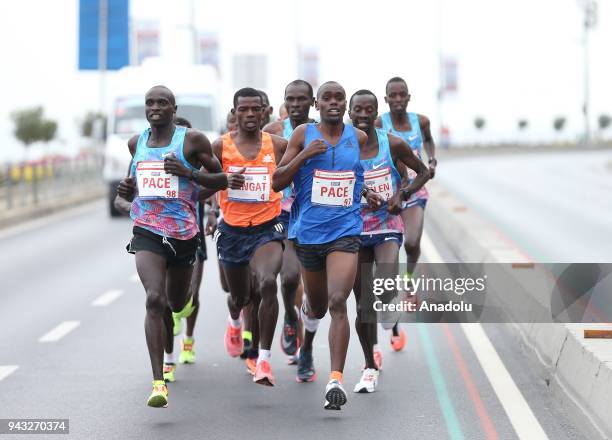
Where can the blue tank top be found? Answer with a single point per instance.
(381, 175)
(414, 138)
(164, 204)
(327, 191)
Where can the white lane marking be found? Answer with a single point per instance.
(107, 298)
(7, 370)
(48, 219)
(135, 278)
(522, 418)
(60, 331)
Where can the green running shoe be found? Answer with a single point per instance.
(159, 396)
(187, 355)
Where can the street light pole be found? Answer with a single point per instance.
(589, 8)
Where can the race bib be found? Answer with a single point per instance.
(154, 182)
(256, 188)
(379, 181)
(333, 188)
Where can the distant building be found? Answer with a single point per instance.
(146, 41)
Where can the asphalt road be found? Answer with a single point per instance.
(556, 206)
(98, 374)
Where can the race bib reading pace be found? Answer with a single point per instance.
(378, 181)
(333, 188)
(256, 186)
(154, 182)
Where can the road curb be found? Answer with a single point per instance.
(578, 371)
(20, 214)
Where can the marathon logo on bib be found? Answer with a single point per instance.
(379, 181)
(256, 188)
(154, 182)
(333, 188)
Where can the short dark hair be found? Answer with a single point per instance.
(327, 83)
(395, 79)
(166, 89)
(363, 92)
(301, 82)
(179, 120)
(247, 92)
(264, 97)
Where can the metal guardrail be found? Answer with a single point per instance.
(29, 184)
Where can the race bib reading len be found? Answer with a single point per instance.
(378, 181)
(333, 188)
(154, 182)
(256, 186)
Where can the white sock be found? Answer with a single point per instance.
(236, 323)
(169, 358)
(310, 324)
(375, 348)
(264, 355)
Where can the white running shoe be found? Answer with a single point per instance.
(368, 382)
(335, 396)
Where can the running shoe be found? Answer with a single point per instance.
(305, 367)
(293, 359)
(159, 396)
(233, 340)
(335, 396)
(398, 341)
(187, 355)
(177, 326)
(378, 359)
(251, 364)
(368, 381)
(289, 340)
(186, 312)
(263, 374)
(247, 343)
(169, 370)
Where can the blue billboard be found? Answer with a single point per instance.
(117, 38)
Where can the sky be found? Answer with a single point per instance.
(516, 59)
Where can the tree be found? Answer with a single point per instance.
(89, 123)
(604, 121)
(523, 124)
(559, 123)
(30, 126)
(479, 123)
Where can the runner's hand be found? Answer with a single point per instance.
(432, 168)
(316, 147)
(236, 180)
(394, 204)
(374, 200)
(126, 189)
(211, 224)
(174, 166)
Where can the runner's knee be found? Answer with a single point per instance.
(267, 287)
(155, 302)
(337, 303)
(290, 281)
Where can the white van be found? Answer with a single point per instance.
(195, 89)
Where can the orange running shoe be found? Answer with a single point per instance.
(233, 340)
(251, 365)
(263, 374)
(399, 342)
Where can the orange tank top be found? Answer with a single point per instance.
(255, 203)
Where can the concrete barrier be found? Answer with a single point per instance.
(577, 370)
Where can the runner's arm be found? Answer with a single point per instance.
(215, 178)
(127, 186)
(402, 151)
(216, 149)
(378, 122)
(428, 144)
(280, 146)
(292, 160)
